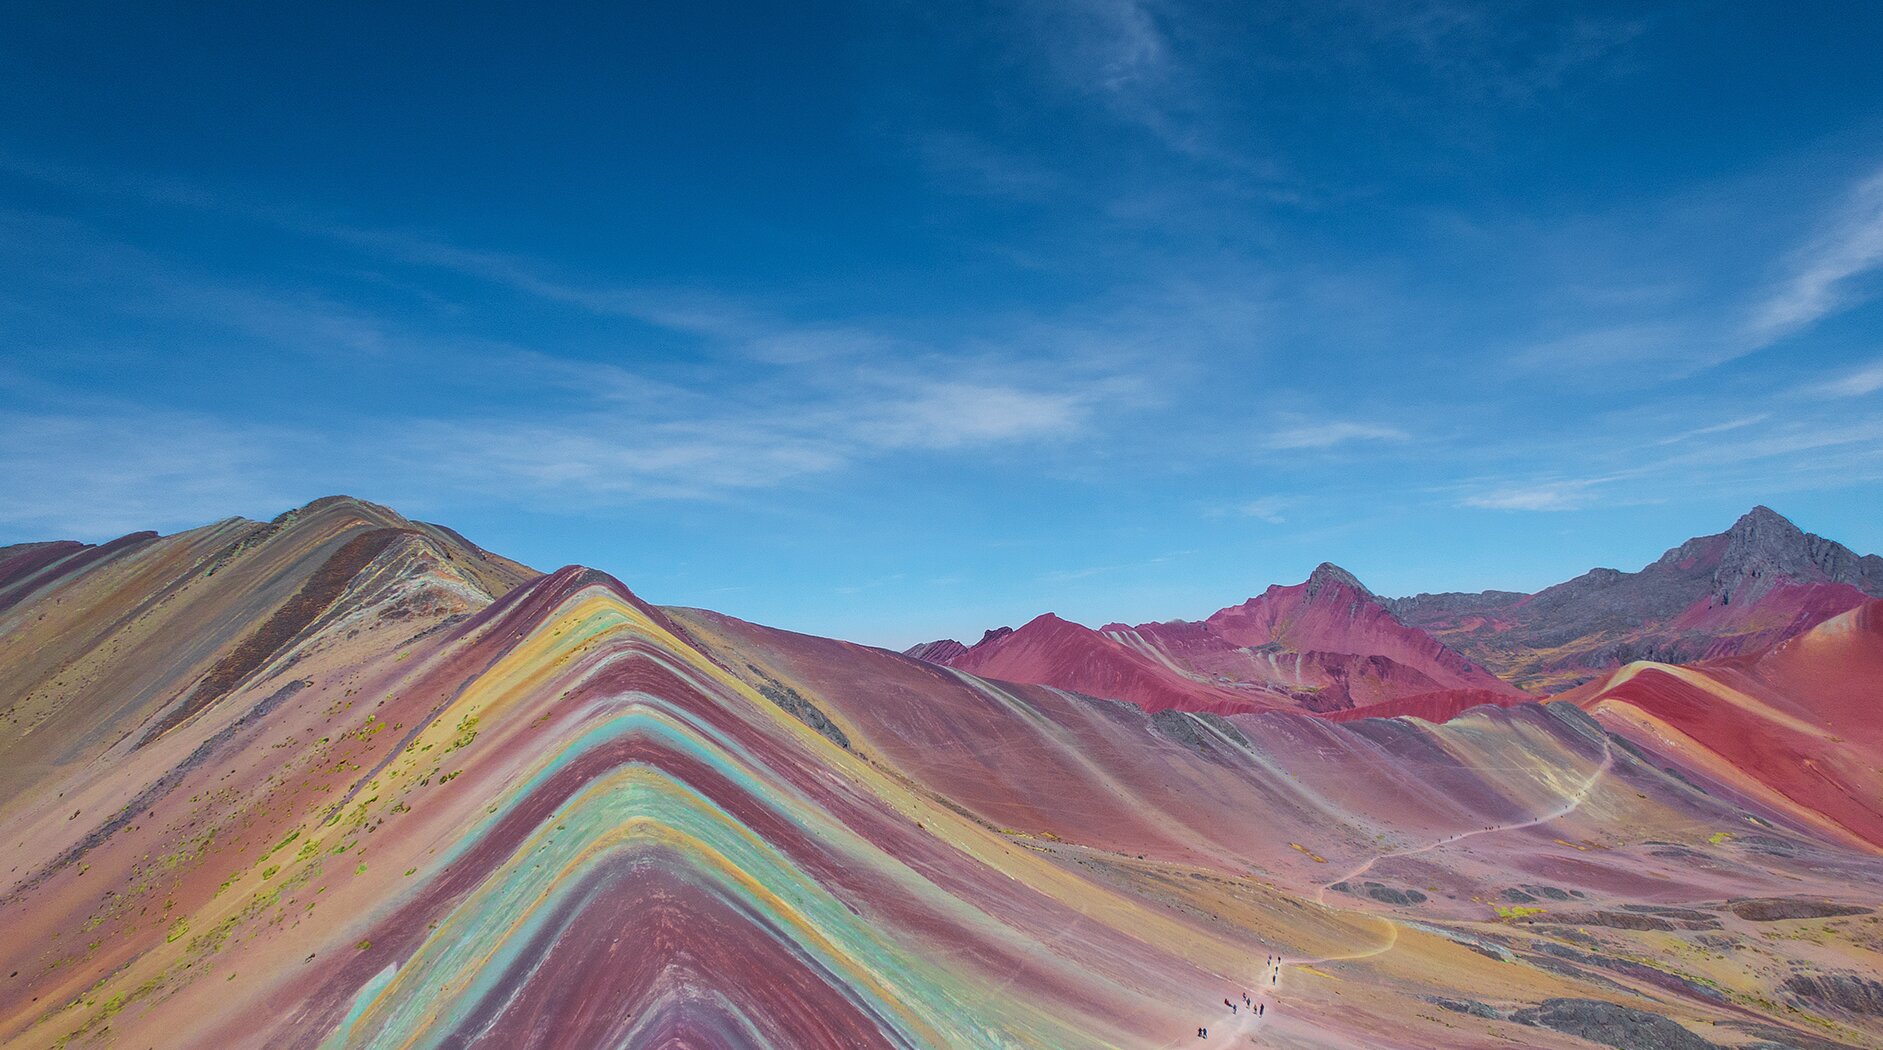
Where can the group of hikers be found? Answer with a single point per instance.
(1272, 970)
(1253, 1007)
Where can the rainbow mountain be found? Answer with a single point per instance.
(344, 779)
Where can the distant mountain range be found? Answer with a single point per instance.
(1330, 646)
(1323, 645)
(1761, 581)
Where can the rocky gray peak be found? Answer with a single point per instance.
(1327, 574)
(1606, 616)
(1426, 604)
(1764, 547)
(1765, 533)
(1764, 517)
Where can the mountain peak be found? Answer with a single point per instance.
(1763, 541)
(1763, 519)
(364, 510)
(993, 634)
(1763, 546)
(939, 651)
(1327, 574)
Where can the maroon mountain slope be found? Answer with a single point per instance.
(939, 652)
(1056, 652)
(1323, 645)
(1328, 637)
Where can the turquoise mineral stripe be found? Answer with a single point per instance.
(471, 948)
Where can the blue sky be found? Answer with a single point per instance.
(894, 320)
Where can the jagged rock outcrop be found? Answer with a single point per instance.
(1612, 1024)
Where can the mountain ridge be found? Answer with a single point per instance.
(1759, 582)
(1323, 645)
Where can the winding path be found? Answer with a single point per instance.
(1269, 981)
(1570, 804)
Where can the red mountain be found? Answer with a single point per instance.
(1324, 645)
(1052, 651)
(1795, 723)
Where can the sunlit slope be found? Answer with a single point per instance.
(131, 637)
(1799, 725)
(554, 824)
(1404, 853)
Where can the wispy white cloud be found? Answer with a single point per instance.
(1089, 571)
(1550, 496)
(410, 247)
(1112, 46)
(1856, 383)
(958, 415)
(94, 476)
(1271, 509)
(599, 459)
(1114, 51)
(1328, 434)
(1832, 270)
(1491, 50)
(1715, 428)
(1825, 273)
(134, 283)
(772, 402)
(1125, 56)
(101, 468)
(1752, 455)
(776, 402)
(1601, 350)
(746, 444)
(1800, 441)
(1068, 575)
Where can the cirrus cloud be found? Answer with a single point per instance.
(1330, 434)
